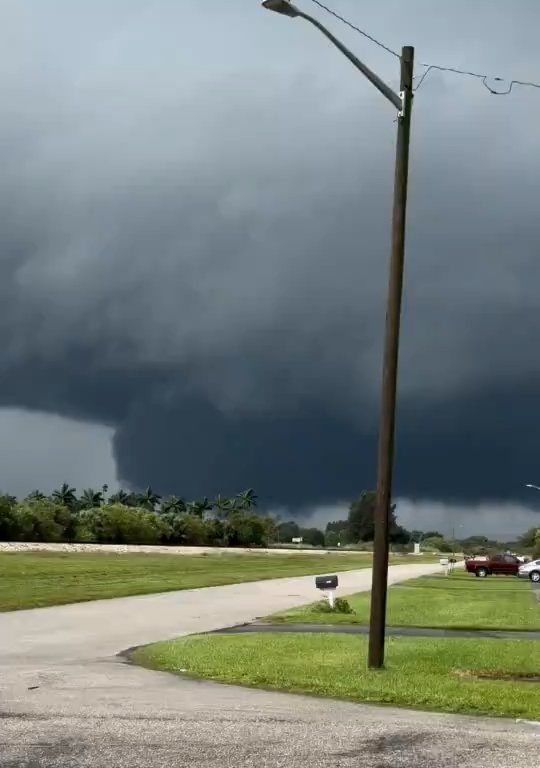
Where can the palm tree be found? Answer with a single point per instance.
(198, 508)
(65, 495)
(8, 500)
(172, 505)
(148, 499)
(35, 496)
(221, 505)
(247, 499)
(120, 497)
(90, 499)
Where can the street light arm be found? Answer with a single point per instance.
(282, 6)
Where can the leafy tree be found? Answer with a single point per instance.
(438, 543)
(44, 520)
(399, 535)
(148, 499)
(65, 495)
(528, 539)
(433, 535)
(360, 523)
(215, 530)
(312, 536)
(247, 529)
(341, 528)
(190, 530)
(11, 500)
(90, 499)
(336, 525)
(8, 521)
(361, 526)
(416, 536)
(331, 539)
(536, 551)
(288, 530)
(119, 524)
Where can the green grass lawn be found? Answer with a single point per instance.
(31, 580)
(459, 601)
(420, 672)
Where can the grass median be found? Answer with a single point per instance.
(459, 601)
(489, 677)
(32, 579)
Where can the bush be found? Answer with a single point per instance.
(188, 530)
(436, 543)
(340, 606)
(331, 539)
(8, 520)
(84, 534)
(118, 524)
(215, 532)
(43, 520)
(246, 529)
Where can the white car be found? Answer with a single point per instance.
(530, 571)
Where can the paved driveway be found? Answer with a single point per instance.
(66, 699)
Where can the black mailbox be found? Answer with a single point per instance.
(326, 582)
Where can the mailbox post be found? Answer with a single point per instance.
(327, 584)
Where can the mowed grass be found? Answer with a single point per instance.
(36, 579)
(420, 672)
(459, 601)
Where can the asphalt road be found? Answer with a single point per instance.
(67, 699)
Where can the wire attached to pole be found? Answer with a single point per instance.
(484, 78)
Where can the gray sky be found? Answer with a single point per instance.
(196, 205)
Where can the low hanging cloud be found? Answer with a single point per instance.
(195, 246)
(501, 521)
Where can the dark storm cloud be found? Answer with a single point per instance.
(195, 243)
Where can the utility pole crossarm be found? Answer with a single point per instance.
(287, 9)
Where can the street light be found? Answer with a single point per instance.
(530, 485)
(403, 103)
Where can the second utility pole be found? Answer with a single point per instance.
(390, 369)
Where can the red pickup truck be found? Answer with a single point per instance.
(507, 565)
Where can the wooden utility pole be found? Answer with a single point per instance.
(402, 102)
(377, 624)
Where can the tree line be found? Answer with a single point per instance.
(358, 529)
(145, 517)
(134, 518)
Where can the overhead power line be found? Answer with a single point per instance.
(485, 79)
(356, 29)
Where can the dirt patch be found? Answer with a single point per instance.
(514, 677)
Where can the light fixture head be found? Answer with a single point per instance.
(281, 6)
